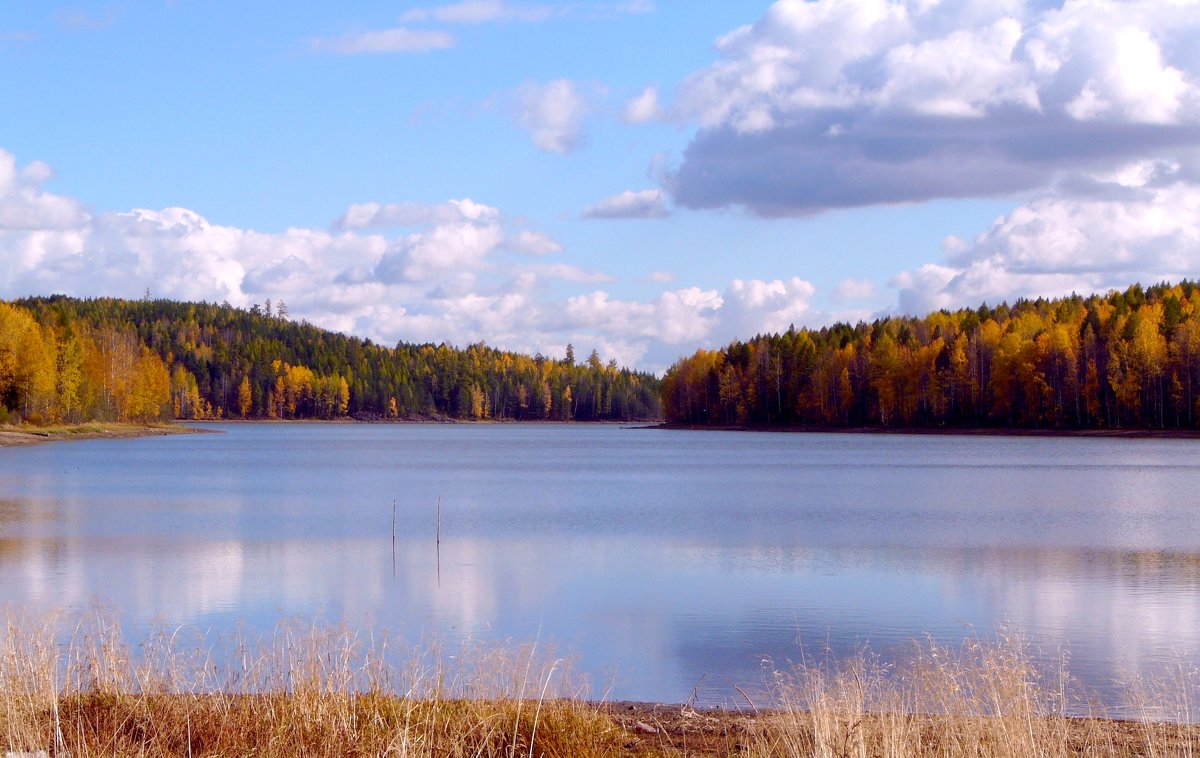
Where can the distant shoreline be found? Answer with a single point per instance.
(943, 430)
(423, 420)
(17, 436)
(22, 436)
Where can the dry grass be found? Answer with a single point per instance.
(315, 690)
(76, 687)
(984, 698)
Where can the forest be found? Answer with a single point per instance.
(1121, 360)
(68, 360)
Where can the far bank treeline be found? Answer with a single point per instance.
(66, 360)
(1123, 360)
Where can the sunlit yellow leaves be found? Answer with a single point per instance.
(72, 360)
(1126, 358)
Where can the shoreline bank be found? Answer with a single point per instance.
(939, 431)
(334, 724)
(424, 421)
(21, 436)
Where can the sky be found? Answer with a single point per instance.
(638, 177)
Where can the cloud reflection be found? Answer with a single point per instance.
(659, 556)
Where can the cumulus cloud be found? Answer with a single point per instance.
(678, 321)
(454, 272)
(1139, 223)
(376, 215)
(754, 306)
(398, 39)
(643, 108)
(843, 103)
(678, 317)
(532, 243)
(23, 203)
(552, 113)
(650, 203)
(568, 273)
(451, 247)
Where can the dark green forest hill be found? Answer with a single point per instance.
(68, 360)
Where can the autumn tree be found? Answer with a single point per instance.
(149, 397)
(1128, 357)
(243, 363)
(245, 397)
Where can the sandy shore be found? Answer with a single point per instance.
(16, 436)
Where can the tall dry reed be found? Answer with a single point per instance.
(994, 697)
(76, 686)
(305, 689)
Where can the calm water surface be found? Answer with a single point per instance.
(658, 556)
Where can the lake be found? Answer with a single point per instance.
(662, 558)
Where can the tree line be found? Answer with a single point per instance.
(1126, 359)
(68, 360)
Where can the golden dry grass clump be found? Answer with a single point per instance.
(993, 698)
(81, 689)
(307, 689)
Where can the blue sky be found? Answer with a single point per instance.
(643, 177)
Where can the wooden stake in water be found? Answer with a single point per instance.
(438, 543)
(393, 538)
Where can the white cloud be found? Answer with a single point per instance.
(1141, 223)
(678, 321)
(650, 203)
(552, 113)
(677, 317)
(634, 6)
(376, 215)
(23, 203)
(450, 271)
(479, 12)
(499, 11)
(395, 40)
(420, 256)
(568, 273)
(660, 276)
(1128, 80)
(532, 243)
(643, 108)
(441, 274)
(754, 306)
(838, 103)
(854, 289)
(959, 75)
